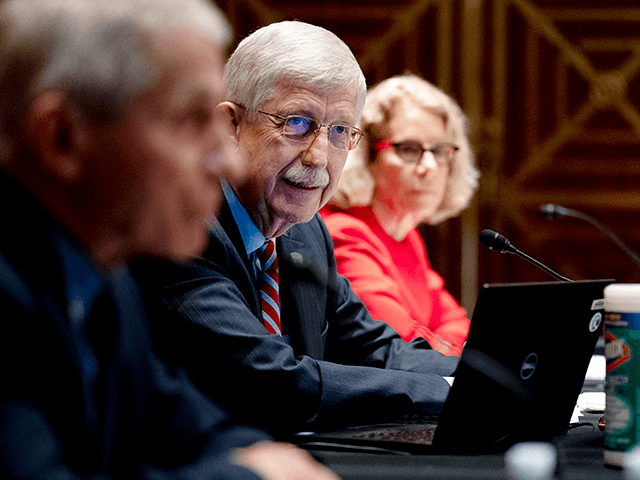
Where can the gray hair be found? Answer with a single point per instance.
(356, 183)
(98, 53)
(290, 50)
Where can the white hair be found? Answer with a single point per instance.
(356, 184)
(98, 53)
(290, 50)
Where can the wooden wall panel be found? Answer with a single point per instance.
(570, 114)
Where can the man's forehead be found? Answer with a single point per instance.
(305, 94)
(316, 87)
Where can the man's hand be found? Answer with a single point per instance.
(282, 461)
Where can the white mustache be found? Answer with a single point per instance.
(307, 177)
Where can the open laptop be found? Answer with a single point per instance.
(519, 377)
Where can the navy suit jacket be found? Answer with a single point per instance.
(340, 367)
(152, 422)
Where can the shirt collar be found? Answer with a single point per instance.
(83, 282)
(252, 238)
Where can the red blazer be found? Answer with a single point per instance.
(395, 280)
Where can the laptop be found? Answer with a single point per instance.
(520, 374)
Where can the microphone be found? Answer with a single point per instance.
(500, 244)
(556, 211)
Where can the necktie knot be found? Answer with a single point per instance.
(268, 257)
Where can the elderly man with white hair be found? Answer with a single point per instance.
(264, 310)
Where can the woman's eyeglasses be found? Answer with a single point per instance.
(412, 152)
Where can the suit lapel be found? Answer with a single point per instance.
(127, 365)
(302, 306)
(229, 226)
(302, 284)
(236, 256)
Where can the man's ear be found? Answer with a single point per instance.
(57, 136)
(229, 114)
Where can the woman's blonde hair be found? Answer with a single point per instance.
(356, 183)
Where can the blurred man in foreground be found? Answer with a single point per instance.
(109, 151)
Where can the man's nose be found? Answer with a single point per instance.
(317, 153)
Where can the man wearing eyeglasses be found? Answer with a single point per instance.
(264, 314)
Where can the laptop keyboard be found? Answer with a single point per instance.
(417, 434)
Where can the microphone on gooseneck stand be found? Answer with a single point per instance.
(552, 211)
(500, 244)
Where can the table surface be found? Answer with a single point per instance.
(579, 453)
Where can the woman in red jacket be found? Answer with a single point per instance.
(415, 165)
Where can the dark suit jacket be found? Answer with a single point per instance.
(152, 422)
(341, 367)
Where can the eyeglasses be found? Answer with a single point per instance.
(303, 129)
(412, 152)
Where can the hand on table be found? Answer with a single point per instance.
(282, 461)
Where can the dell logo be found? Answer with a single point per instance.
(595, 322)
(529, 366)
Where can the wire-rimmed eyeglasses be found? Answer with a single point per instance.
(299, 128)
(412, 152)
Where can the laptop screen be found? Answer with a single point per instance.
(524, 363)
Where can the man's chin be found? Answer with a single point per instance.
(304, 218)
(283, 220)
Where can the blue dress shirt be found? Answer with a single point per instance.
(252, 238)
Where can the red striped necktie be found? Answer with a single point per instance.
(269, 290)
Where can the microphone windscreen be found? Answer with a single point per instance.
(548, 209)
(553, 211)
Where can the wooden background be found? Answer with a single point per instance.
(552, 89)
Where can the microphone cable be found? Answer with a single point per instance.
(500, 244)
(552, 211)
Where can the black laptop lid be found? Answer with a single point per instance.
(523, 365)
